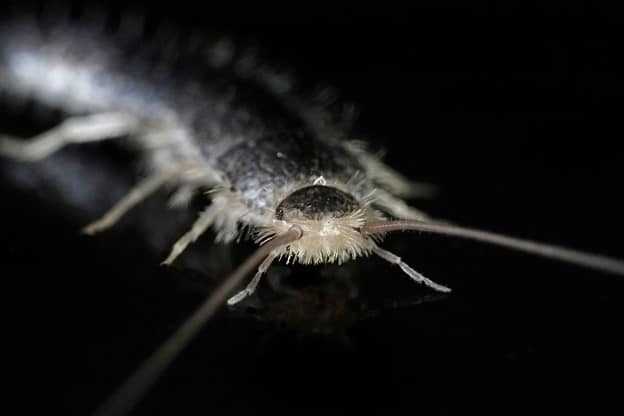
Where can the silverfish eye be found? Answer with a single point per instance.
(316, 201)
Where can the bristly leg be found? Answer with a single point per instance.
(251, 287)
(394, 259)
(205, 220)
(84, 129)
(385, 176)
(137, 195)
(397, 207)
(182, 196)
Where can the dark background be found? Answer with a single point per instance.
(514, 112)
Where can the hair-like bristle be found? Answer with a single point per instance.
(325, 240)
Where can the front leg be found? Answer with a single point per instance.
(251, 287)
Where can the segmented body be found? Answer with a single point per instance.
(236, 133)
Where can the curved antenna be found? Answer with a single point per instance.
(138, 384)
(592, 261)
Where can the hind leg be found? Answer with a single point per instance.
(83, 129)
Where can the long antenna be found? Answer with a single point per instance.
(138, 384)
(592, 261)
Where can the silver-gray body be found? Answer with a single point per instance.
(233, 130)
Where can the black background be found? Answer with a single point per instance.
(514, 112)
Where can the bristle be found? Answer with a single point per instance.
(326, 240)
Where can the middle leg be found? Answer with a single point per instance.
(205, 220)
(397, 207)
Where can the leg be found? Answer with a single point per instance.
(394, 259)
(251, 287)
(386, 177)
(397, 207)
(182, 197)
(84, 129)
(202, 223)
(135, 196)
